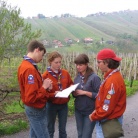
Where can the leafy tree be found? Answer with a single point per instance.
(14, 36)
(14, 32)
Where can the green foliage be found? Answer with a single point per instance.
(8, 73)
(131, 90)
(12, 104)
(71, 105)
(14, 107)
(14, 33)
(11, 128)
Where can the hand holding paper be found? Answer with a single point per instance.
(66, 92)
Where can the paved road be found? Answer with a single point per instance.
(130, 122)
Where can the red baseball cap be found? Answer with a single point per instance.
(107, 54)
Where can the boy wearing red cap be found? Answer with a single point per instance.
(111, 98)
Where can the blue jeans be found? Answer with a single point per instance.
(38, 122)
(84, 125)
(62, 111)
(99, 132)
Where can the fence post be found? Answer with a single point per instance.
(131, 81)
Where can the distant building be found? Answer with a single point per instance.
(77, 40)
(68, 41)
(45, 42)
(57, 43)
(88, 40)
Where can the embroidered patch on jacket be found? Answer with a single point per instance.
(106, 101)
(112, 91)
(30, 79)
(108, 96)
(105, 107)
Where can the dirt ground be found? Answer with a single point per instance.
(130, 124)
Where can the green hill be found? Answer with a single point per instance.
(119, 27)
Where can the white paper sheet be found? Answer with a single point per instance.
(66, 92)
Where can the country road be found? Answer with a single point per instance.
(130, 124)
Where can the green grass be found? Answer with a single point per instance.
(7, 128)
(131, 90)
(78, 48)
(71, 106)
(14, 107)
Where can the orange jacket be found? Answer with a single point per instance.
(65, 80)
(32, 92)
(111, 99)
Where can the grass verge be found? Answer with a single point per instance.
(7, 128)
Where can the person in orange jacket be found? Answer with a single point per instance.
(111, 98)
(33, 90)
(55, 105)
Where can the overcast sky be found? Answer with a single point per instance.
(80, 8)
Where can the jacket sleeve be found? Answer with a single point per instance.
(33, 87)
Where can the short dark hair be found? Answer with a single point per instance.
(35, 44)
(112, 64)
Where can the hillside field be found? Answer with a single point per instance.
(119, 27)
